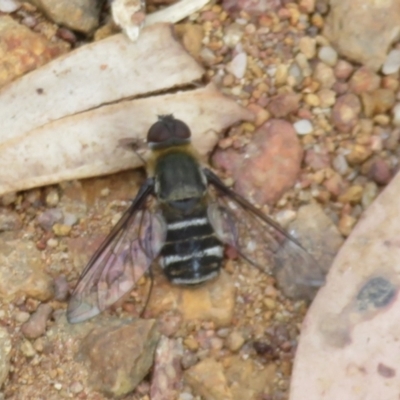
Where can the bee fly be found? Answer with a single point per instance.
(194, 216)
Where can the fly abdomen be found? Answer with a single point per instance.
(192, 253)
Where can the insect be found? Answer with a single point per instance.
(193, 216)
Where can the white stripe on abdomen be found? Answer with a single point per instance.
(212, 251)
(186, 223)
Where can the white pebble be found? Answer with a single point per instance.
(303, 127)
(186, 396)
(52, 243)
(9, 6)
(328, 55)
(295, 73)
(340, 164)
(392, 63)
(233, 35)
(116, 218)
(285, 217)
(70, 219)
(396, 114)
(238, 65)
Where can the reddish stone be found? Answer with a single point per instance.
(364, 80)
(343, 69)
(317, 159)
(268, 166)
(167, 370)
(231, 253)
(304, 113)
(284, 104)
(23, 50)
(335, 185)
(340, 87)
(380, 172)
(36, 325)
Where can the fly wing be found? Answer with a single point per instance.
(262, 242)
(121, 260)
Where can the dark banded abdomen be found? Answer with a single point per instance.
(192, 253)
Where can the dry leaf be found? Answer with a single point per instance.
(99, 73)
(87, 144)
(130, 14)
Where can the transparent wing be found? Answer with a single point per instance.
(121, 260)
(263, 243)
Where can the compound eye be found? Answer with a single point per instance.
(158, 133)
(181, 130)
(166, 128)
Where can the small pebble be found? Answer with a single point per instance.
(269, 303)
(36, 325)
(234, 341)
(105, 192)
(369, 194)
(39, 345)
(345, 112)
(29, 21)
(61, 229)
(281, 74)
(116, 217)
(346, 224)
(307, 46)
(57, 386)
(343, 69)
(328, 55)
(61, 289)
(48, 218)
(396, 114)
(52, 198)
(326, 97)
(188, 360)
(52, 243)
(392, 140)
(303, 127)
(358, 154)
(352, 195)
(22, 316)
(392, 62)
(67, 35)
(285, 217)
(27, 349)
(191, 343)
(70, 219)
(238, 65)
(324, 75)
(233, 34)
(223, 332)
(379, 172)
(9, 6)
(76, 387)
(364, 80)
(208, 56)
(8, 199)
(186, 396)
(340, 164)
(296, 74)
